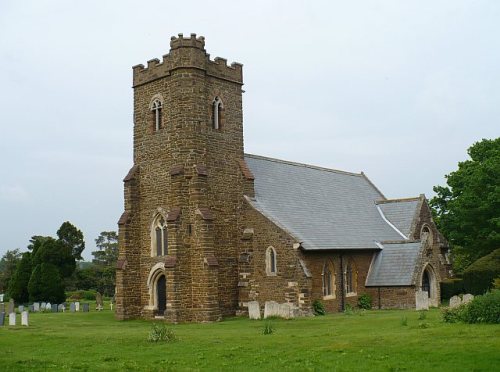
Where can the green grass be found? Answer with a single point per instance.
(365, 341)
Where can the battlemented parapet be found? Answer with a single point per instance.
(187, 53)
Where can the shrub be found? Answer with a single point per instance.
(482, 309)
(159, 332)
(89, 295)
(348, 310)
(319, 308)
(365, 301)
(404, 321)
(453, 315)
(451, 287)
(268, 328)
(479, 276)
(422, 315)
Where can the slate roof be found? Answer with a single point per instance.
(400, 213)
(322, 208)
(394, 265)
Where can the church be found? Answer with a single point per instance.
(207, 228)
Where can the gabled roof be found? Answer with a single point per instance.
(400, 212)
(322, 208)
(394, 265)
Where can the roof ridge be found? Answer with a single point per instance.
(304, 165)
(398, 200)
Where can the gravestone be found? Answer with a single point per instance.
(61, 308)
(11, 306)
(77, 306)
(1, 297)
(455, 301)
(254, 310)
(285, 311)
(48, 306)
(2, 307)
(54, 308)
(12, 319)
(31, 308)
(72, 307)
(24, 318)
(86, 307)
(2, 319)
(467, 298)
(36, 306)
(271, 308)
(20, 308)
(422, 300)
(98, 302)
(43, 306)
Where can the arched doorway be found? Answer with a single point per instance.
(161, 294)
(429, 284)
(426, 283)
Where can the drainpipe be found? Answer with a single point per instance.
(342, 297)
(379, 304)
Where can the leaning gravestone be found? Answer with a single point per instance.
(98, 302)
(77, 306)
(24, 318)
(12, 319)
(72, 307)
(11, 306)
(467, 298)
(2, 319)
(455, 301)
(422, 300)
(36, 306)
(86, 307)
(254, 310)
(20, 308)
(54, 308)
(271, 308)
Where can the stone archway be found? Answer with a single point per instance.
(429, 283)
(157, 286)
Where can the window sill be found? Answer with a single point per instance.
(351, 294)
(329, 297)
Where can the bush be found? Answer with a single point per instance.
(348, 309)
(482, 309)
(478, 277)
(365, 301)
(268, 328)
(451, 287)
(319, 308)
(404, 321)
(160, 332)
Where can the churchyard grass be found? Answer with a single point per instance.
(363, 341)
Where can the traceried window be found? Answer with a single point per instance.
(156, 109)
(328, 280)
(350, 278)
(160, 237)
(271, 261)
(217, 109)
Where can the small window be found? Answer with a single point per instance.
(156, 109)
(328, 280)
(350, 278)
(160, 237)
(271, 261)
(217, 109)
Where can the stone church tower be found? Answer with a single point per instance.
(179, 232)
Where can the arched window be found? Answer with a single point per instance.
(156, 108)
(271, 261)
(328, 280)
(350, 278)
(159, 237)
(217, 108)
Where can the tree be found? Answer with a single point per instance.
(72, 238)
(8, 265)
(46, 284)
(56, 253)
(467, 211)
(105, 261)
(18, 286)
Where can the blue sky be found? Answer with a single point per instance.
(397, 89)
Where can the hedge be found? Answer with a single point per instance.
(480, 275)
(451, 287)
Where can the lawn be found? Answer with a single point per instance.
(365, 341)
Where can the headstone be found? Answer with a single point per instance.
(254, 310)
(24, 318)
(111, 306)
(20, 308)
(271, 308)
(455, 301)
(61, 308)
(12, 319)
(285, 311)
(31, 308)
(77, 306)
(98, 302)
(422, 300)
(72, 307)
(36, 306)
(11, 306)
(85, 307)
(2, 319)
(48, 306)
(54, 308)
(467, 298)
(2, 307)
(1, 297)
(43, 306)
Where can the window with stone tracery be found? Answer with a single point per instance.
(217, 108)
(156, 109)
(159, 237)
(328, 280)
(350, 278)
(271, 261)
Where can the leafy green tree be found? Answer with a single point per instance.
(18, 286)
(105, 261)
(8, 265)
(467, 211)
(72, 238)
(56, 253)
(46, 284)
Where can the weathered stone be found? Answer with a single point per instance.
(11, 306)
(77, 306)
(86, 307)
(61, 308)
(2, 318)
(2, 307)
(54, 308)
(455, 301)
(271, 308)
(25, 318)
(48, 306)
(98, 302)
(253, 310)
(31, 308)
(36, 306)
(12, 319)
(422, 300)
(20, 308)
(72, 307)
(467, 298)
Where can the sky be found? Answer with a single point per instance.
(396, 89)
